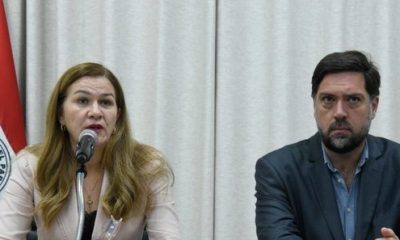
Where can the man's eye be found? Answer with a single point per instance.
(327, 99)
(354, 100)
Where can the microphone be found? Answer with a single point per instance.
(85, 147)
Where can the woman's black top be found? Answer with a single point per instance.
(88, 225)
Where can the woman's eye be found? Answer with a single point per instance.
(82, 101)
(106, 103)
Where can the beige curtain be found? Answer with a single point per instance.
(214, 84)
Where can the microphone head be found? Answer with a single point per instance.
(89, 133)
(85, 146)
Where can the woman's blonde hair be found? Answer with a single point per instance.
(131, 166)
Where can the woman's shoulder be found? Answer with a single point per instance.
(28, 156)
(147, 153)
(23, 165)
(149, 159)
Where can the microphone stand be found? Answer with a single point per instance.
(84, 151)
(80, 175)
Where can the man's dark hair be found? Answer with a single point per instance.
(348, 61)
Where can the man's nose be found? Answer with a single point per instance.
(340, 110)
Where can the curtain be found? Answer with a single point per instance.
(214, 84)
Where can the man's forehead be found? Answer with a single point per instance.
(350, 81)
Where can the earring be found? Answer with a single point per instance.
(63, 128)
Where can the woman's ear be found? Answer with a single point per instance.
(61, 119)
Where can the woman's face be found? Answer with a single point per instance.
(90, 103)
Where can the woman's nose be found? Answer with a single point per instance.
(95, 110)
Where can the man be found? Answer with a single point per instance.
(341, 183)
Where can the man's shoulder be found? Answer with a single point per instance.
(381, 146)
(298, 151)
(382, 143)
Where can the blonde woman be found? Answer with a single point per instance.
(127, 186)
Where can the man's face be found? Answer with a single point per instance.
(343, 110)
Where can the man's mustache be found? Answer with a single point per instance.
(340, 124)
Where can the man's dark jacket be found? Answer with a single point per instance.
(296, 198)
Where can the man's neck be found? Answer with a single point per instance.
(346, 163)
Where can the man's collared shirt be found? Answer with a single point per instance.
(346, 198)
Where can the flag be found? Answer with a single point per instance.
(12, 127)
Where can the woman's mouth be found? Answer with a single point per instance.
(95, 127)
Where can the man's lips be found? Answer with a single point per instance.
(340, 131)
(340, 128)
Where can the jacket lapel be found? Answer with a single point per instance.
(67, 221)
(323, 189)
(104, 226)
(370, 181)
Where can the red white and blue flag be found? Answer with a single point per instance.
(12, 127)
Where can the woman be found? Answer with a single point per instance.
(127, 186)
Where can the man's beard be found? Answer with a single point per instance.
(344, 144)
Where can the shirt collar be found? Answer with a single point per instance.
(364, 158)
